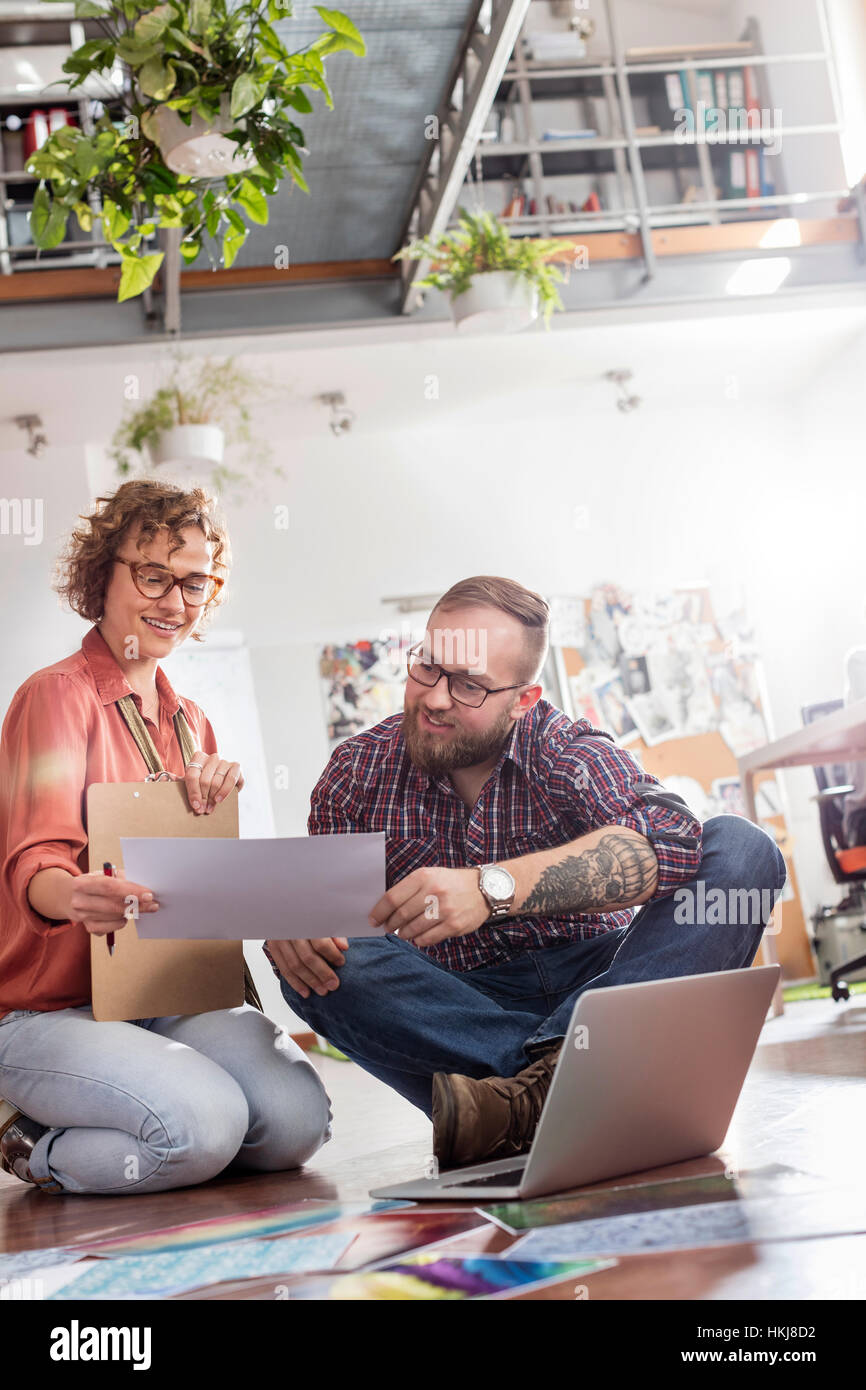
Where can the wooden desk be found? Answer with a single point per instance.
(838, 738)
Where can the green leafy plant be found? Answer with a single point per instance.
(187, 55)
(483, 243)
(198, 391)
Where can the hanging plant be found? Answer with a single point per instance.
(208, 400)
(483, 246)
(222, 71)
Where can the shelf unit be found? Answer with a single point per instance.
(24, 26)
(624, 158)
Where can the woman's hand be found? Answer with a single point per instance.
(104, 904)
(209, 779)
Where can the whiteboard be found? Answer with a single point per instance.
(217, 675)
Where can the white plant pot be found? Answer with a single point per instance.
(200, 149)
(193, 447)
(497, 301)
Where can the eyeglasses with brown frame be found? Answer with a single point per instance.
(155, 581)
(461, 688)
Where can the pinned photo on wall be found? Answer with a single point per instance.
(652, 718)
(584, 705)
(680, 675)
(633, 634)
(567, 621)
(728, 795)
(635, 674)
(362, 684)
(607, 608)
(742, 727)
(612, 702)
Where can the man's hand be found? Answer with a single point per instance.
(429, 905)
(305, 964)
(209, 779)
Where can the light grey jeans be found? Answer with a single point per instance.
(159, 1103)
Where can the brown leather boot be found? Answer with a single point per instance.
(18, 1137)
(474, 1121)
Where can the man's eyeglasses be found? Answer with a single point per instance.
(463, 689)
(155, 581)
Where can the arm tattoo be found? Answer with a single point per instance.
(617, 870)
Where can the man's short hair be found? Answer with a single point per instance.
(509, 597)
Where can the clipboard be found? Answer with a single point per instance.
(153, 979)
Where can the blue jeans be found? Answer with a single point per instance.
(160, 1103)
(402, 1016)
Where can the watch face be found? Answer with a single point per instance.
(498, 883)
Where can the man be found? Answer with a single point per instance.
(519, 846)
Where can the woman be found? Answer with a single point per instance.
(156, 1103)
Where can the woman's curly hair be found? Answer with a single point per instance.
(84, 568)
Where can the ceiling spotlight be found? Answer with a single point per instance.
(36, 442)
(341, 417)
(624, 402)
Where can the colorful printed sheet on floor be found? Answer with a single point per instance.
(626, 1200)
(19, 1262)
(833, 1211)
(268, 1221)
(177, 1271)
(444, 1277)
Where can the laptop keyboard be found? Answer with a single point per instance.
(512, 1178)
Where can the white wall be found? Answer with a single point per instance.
(35, 630)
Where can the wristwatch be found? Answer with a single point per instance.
(498, 887)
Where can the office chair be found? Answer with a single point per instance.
(847, 862)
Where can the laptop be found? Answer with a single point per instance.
(648, 1074)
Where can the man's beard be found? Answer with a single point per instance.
(461, 750)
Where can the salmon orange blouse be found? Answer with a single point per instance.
(62, 731)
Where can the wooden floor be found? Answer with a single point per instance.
(803, 1107)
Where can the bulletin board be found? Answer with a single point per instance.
(680, 688)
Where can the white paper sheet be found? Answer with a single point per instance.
(255, 890)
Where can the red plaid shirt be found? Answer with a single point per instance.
(555, 781)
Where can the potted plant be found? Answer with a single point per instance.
(184, 426)
(494, 279)
(210, 94)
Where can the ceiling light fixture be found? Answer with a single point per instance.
(36, 442)
(342, 418)
(625, 402)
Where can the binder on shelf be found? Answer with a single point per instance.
(667, 97)
(677, 91)
(736, 90)
(753, 172)
(736, 185)
(767, 173)
(750, 91)
(706, 88)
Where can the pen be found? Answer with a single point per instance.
(108, 870)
